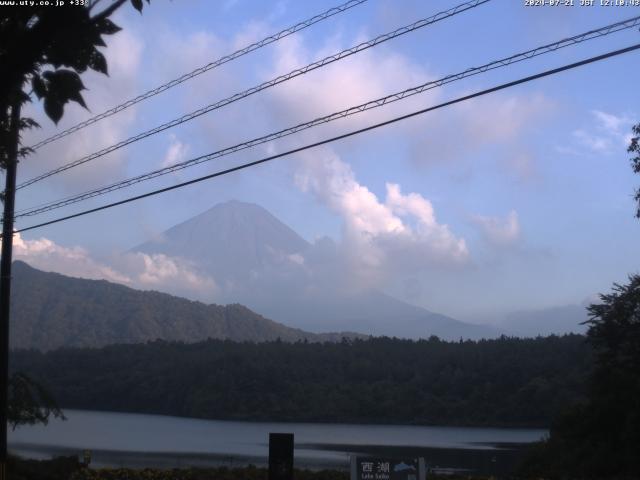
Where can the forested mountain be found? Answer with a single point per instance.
(50, 310)
(507, 382)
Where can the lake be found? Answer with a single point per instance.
(123, 439)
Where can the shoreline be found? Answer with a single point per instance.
(494, 461)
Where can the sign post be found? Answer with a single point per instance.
(281, 456)
(374, 468)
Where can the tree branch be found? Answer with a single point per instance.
(106, 13)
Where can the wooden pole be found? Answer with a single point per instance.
(5, 276)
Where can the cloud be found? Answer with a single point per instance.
(169, 274)
(138, 270)
(610, 122)
(176, 153)
(75, 261)
(184, 53)
(399, 235)
(458, 135)
(501, 118)
(296, 258)
(453, 133)
(595, 143)
(252, 32)
(124, 55)
(500, 232)
(353, 80)
(607, 133)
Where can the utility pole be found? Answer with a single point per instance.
(13, 140)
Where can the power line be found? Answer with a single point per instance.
(280, 79)
(205, 68)
(341, 137)
(603, 31)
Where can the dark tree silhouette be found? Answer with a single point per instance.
(614, 333)
(43, 50)
(506, 381)
(30, 402)
(601, 438)
(634, 148)
(48, 48)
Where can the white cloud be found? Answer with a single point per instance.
(398, 235)
(501, 118)
(610, 122)
(171, 274)
(457, 137)
(354, 80)
(124, 55)
(595, 143)
(351, 81)
(137, 270)
(176, 153)
(606, 134)
(296, 258)
(498, 119)
(252, 32)
(75, 261)
(500, 231)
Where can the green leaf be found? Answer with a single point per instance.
(25, 151)
(77, 97)
(28, 123)
(64, 84)
(53, 108)
(99, 42)
(39, 87)
(137, 4)
(98, 63)
(107, 27)
(29, 402)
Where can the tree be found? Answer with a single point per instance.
(43, 50)
(634, 147)
(30, 402)
(601, 438)
(614, 410)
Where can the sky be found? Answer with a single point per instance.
(522, 199)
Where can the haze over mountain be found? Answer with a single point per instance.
(258, 261)
(50, 310)
(231, 242)
(238, 253)
(547, 321)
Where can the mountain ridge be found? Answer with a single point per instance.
(51, 310)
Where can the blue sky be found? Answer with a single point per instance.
(517, 200)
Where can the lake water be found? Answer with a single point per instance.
(121, 439)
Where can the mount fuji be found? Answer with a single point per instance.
(258, 261)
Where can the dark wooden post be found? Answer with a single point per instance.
(281, 456)
(5, 277)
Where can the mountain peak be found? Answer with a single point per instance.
(229, 240)
(237, 206)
